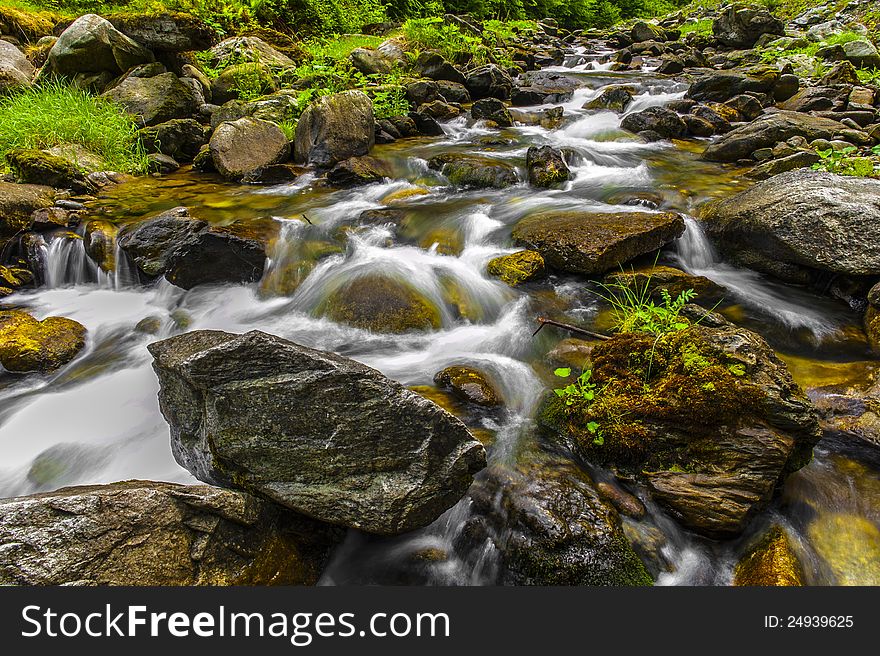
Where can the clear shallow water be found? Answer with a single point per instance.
(98, 421)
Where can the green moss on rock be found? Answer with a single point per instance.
(381, 304)
(29, 345)
(517, 268)
(770, 562)
(31, 166)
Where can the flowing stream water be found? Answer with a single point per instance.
(98, 421)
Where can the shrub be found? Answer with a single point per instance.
(55, 114)
(849, 162)
(634, 310)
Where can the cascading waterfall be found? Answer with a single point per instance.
(790, 307)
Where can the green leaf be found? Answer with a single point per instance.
(592, 426)
(563, 372)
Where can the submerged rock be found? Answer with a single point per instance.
(594, 242)
(28, 345)
(474, 170)
(849, 547)
(189, 252)
(147, 533)
(334, 128)
(517, 268)
(468, 384)
(709, 418)
(808, 219)
(546, 166)
(771, 561)
(356, 171)
(382, 304)
(313, 431)
(551, 527)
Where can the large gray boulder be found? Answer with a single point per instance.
(334, 128)
(767, 131)
(154, 100)
(321, 434)
(595, 242)
(92, 45)
(15, 69)
(166, 32)
(741, 26)
(241, 49)
(147, 533)
(718, 86)
(189, 252)
(862, 54)
(804, 218)
(243, 147)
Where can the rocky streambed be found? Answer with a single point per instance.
(343, 348)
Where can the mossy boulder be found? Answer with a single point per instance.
(166, 31)
(659, 120)
(709, 418)
(27, 26)
(517, 268)
(719, 86)
(551, 527)
(17, 203)
(28, 345)
(615, 98)
(381, 304)
(248, 49)
(474, 171)
(148, 533)
(594, 242)
(469, 384)
(243, 81)
(546, 166)
(40, 168)
(771, 561)
(154, 100)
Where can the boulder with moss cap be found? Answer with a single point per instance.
(29, 345)
(382, 304)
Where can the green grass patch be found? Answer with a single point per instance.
(55, 115)
(340, 47)
(702, 26)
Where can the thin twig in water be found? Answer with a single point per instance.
(565, 326)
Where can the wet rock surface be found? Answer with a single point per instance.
(371, 455)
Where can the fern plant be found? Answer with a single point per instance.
(634, 310)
